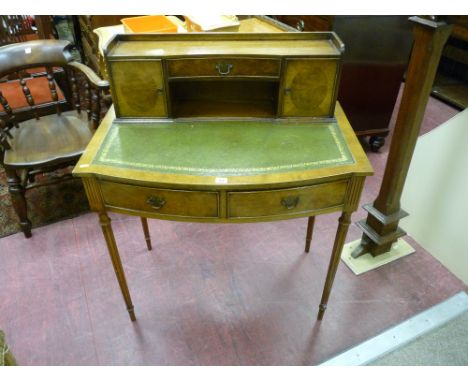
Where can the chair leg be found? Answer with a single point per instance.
(18, 199)
(144, 223)
(310, 229)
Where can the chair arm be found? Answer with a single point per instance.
(4, 135)
(93, 78)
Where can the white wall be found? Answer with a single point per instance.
(436, 194)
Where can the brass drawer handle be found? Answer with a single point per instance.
(156, 202)
(290, 202)
(300, 26)
(223, 68)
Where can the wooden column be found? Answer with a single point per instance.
(381, 228)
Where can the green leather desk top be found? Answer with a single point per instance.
(223, 148)
(232, 153)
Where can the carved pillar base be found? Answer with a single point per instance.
(380, 231)
(367, 261)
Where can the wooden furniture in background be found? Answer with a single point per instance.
(238, 127)
(16, 28)
(45, 27)
(381, 228)
(374, 62)
(89, 40)
(42, 137)
(451, 82)
(308, 23)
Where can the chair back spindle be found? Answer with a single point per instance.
(27, 93)
(96, 108)
(53, 89)
(75, 93)
(88, 99)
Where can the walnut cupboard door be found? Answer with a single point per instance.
(139, 89)
(309, 87)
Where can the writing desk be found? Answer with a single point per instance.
(224, 171)
(225, 128)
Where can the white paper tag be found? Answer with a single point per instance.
(27, 50)
(221, 180)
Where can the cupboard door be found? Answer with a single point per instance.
(139, 88)
(309, 88)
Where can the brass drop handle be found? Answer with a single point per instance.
(290, 202)
(159, 91)
(156, 202)
(300, 26)
(287, 91)
(223, 68)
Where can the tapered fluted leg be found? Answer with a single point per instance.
(310, 229)
(334, 260)
(117, 264)
(144, 223)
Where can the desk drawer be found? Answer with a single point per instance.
(224, 67)
(289, 201)
(161, 201)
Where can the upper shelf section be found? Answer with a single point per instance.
(315, 44)
(219, 75)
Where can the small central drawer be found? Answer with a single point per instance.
(198, 204)
(290, 201)
(224, 67)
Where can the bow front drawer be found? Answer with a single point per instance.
(224, 67)
(190, 204)
(290, 201)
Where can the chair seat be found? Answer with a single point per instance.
(51, 139)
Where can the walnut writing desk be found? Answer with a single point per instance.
(224, 128)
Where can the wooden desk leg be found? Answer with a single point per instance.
(334, 260)
(117, 264)
(144, 223)
(310, 229)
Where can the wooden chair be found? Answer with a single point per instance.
(51, 135)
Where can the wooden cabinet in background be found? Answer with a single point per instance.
(451, 82)
(377, 50)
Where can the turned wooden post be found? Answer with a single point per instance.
(381, 228)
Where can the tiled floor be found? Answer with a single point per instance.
(208, 294)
